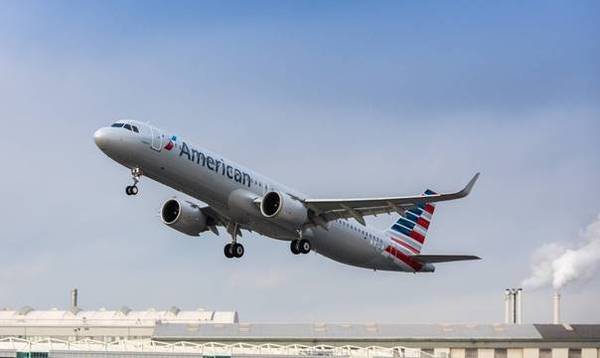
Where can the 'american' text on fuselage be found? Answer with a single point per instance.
(216, 165)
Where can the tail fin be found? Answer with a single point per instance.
(410, 231)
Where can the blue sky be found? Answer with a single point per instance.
(332, 98)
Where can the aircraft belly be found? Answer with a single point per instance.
(347, 247)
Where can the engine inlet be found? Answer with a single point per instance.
(170, 211)
(271, 204)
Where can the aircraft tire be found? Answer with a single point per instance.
(133, 190)
(304, 246)
(295, 247)
(228, 251)
(128, 190)
(238, 250)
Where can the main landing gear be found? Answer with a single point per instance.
(301, 246)
(233, 249)
(136, 174)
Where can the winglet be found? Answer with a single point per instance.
(469, 186)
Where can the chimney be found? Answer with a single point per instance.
(556, 300)
(74, 298)
(519, 306)
(513, 306)
(507, 308)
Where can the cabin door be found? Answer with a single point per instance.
(156, 139)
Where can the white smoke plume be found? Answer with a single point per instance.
(555, 264)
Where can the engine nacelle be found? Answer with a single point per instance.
(284, 208)
(184, 217)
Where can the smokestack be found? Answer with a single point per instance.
(556, 308)
(513, 306)
(519, 306)
(507, 308)
(74, 298)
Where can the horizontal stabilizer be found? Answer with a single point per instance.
(443, 258)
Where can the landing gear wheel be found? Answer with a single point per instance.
(136, 174)
(238, 250)
(228, 250)
(295, 247)
(304, 246)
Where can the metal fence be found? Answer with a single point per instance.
(87, 348)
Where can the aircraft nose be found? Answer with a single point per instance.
(101, 137)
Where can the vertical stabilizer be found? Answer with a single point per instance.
(410, 231)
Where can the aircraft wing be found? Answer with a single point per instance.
(332, 209)
(443, 258)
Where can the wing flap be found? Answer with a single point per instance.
(215, 219)
(444, 258)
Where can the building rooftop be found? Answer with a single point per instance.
(374, 332)
(570, 332)
(122, 316)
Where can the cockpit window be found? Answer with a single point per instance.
(127, 126)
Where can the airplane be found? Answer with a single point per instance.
(239, 199)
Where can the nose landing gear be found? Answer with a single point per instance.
(136, 174)
(131, 190)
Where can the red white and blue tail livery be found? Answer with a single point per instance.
(409, 232)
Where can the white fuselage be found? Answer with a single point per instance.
(230, 188)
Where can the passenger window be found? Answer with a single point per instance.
(117, 125)
(127, 126)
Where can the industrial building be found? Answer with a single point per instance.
(103, 325)
(317, 340)
(124, 332)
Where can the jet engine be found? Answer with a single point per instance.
(283, 208)
(184, 217)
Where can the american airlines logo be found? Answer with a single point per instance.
(217, 165)
(171, 144)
